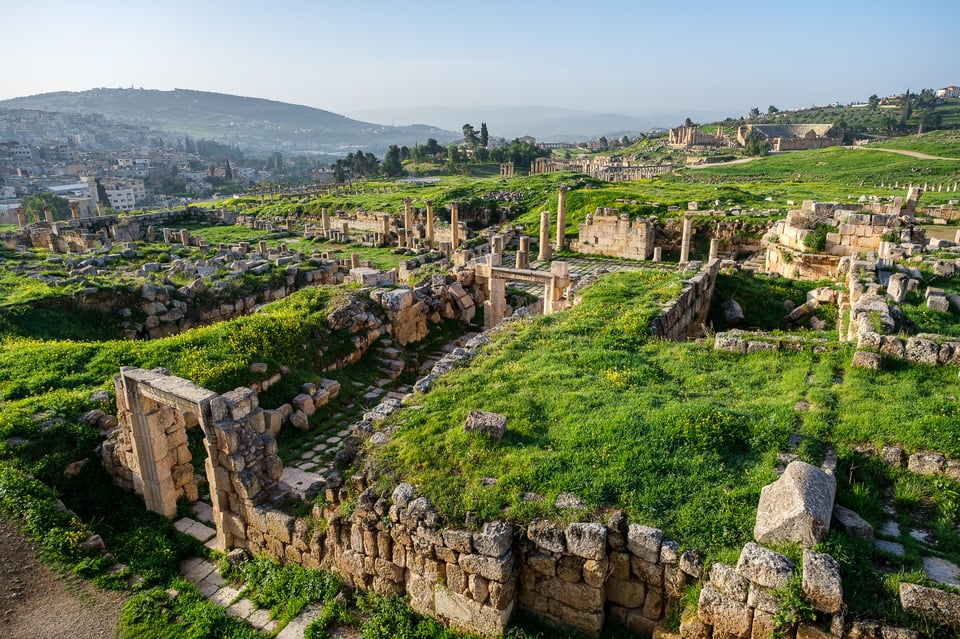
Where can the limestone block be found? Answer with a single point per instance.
(299, 420)
(893, 456)
(851, 522)
(821, 581)
(576, 595)
(627, 593)
(691, 563)
(570, 568)
(797, 507)
(547, 535)
(760, 598)
(764, 567)
(763, 625)
(892, 346)
(458, 540)
(651, 573)
(922, 351)
(644, 542)
(280, 525)
(496, 569)
(724, 342)
(728, 617)
(304, 403)
(588, 540)
(726, 580)
(866, 359)
(926, 462)
(931, 603)
(494, 425)
(595, 572)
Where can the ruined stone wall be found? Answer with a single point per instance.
(683, 318)
(607, 232)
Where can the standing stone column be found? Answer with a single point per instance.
(562, 216)
(454, 225)
(48, 213)
(325, 222)
(714, 246)
(495, 307)
(429, 224)
(657, 253)
(21, 217)
(685, 238)
(545, 253)
(75, 210)
(523, 255)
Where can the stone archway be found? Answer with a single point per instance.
(150, 454)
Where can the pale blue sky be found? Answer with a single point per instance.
(635, 58)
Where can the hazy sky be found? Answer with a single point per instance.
(631, 57)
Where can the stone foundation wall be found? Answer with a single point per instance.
(682, 318)
(607, 232)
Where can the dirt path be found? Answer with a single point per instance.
(913, 154)
(39, 603)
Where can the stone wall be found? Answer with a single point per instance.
(683, 318)
(607, 232)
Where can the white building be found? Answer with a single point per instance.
(949, 92)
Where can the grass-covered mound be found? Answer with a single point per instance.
(679, 436)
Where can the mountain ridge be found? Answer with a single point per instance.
(256, 124)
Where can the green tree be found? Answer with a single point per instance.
(453, 155)
(756, 145)
(470, 138)
(772, 110)
(484, 136)
(755, 113)
(689, 122)
(604, 143)
(33, 206)
(906, 108)
(873, 102)
(391, 166)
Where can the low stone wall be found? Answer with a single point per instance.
(683, 318)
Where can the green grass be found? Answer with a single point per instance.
(937, 143)
(594, 406)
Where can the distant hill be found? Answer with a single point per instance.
(547, 124)
(253, 123)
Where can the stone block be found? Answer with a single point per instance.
(926, 462)
(867, 360)
(576, 595)
(570, 568)
(494, 425)
(588, 540)
(931, 603)
(851, 522)
(627, 593)
(821, 581)
(496, 569)
(797, 507)
(542, 564)
(547, 535)
(728, 617)
(644, 542)
(494, 540)
(764, 567)
(726, 580)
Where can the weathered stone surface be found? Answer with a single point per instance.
(728, 617)
(732, 312)
(691, 562)
(764, 567)
(462, 612)
(494, 540)
(821, 581)
(547, 535)
(893, 456)
(931, 603)
(587, 540)
(578, 596)
(866, 359)
(926, 462)
(494, 425)
(852, 522)
(797, 507)
(728, 582)
(498, 569)
(629, 594)
(923, 351)
(644, 542)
